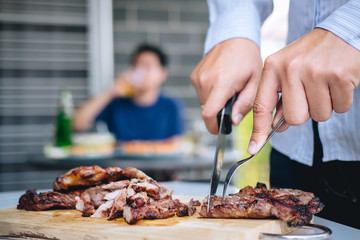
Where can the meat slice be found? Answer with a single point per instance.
(131, 173)
(165, 192)
(116, 185)
(192, 206)
(93, 197)
(114, 174)
(112, 195)
(87, 176)
(160, 209)
(156, 210)
(144, 186)
(104, 210)
(138, 200)
(119, 204)
(181, 208)
(31, 200)
(293, 206)
(195, 203)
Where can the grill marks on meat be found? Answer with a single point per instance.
(160, 209)
(131, 173)
(88, 176)
(163, 208)
(81, 177)
(109, 193)
(293, 206)
(31, 200)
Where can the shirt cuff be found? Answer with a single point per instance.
(345, 23)
(240, 22)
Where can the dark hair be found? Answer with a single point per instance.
(150, 48)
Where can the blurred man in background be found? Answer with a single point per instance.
(134, 107)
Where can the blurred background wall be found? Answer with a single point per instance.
(43, 48)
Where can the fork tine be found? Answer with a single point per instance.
(241, 162)
(231, 173)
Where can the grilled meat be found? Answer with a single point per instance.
(138, 200)
(104, 210)
(293, 206)
(181, 208)
(83, 177)
(109, 193)
(192, 206)
(160, 209)
(118, 205)
(88, 176)
(195, 203)
(93, 197)
(31, 200)
(131, 173)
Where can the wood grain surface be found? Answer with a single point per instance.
(69, 224)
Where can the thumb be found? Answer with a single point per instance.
(264, 105)
(244, 102)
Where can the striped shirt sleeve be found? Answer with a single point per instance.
(345, 23)
(236, 19)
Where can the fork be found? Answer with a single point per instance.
(241, 162)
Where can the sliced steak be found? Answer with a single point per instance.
(293, 206)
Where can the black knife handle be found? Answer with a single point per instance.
(227, 115)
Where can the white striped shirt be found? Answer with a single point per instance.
(340, 135)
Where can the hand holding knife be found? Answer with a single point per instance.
(225, 128)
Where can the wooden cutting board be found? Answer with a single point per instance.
(69, 224)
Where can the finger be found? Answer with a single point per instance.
(195, 80)
(319, 100)
(294, 101)
(278, 115)
(216, 101)
(245, 100)
(265, 102)
(341, 96)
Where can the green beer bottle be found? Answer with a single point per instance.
(64, 119)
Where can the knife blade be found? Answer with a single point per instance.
(225, 128)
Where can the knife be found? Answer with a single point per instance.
(225, 128)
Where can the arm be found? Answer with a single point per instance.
(232, 63)
(345, 23)
(86, 114)
(236, 19)
(316, 75)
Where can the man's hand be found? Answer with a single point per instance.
(233, 66)
(316, 75)
(122, 85)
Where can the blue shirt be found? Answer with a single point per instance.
(340, 135)
(128, 121)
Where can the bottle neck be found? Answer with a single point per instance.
(66, 104)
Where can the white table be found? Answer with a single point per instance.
(340, 231)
